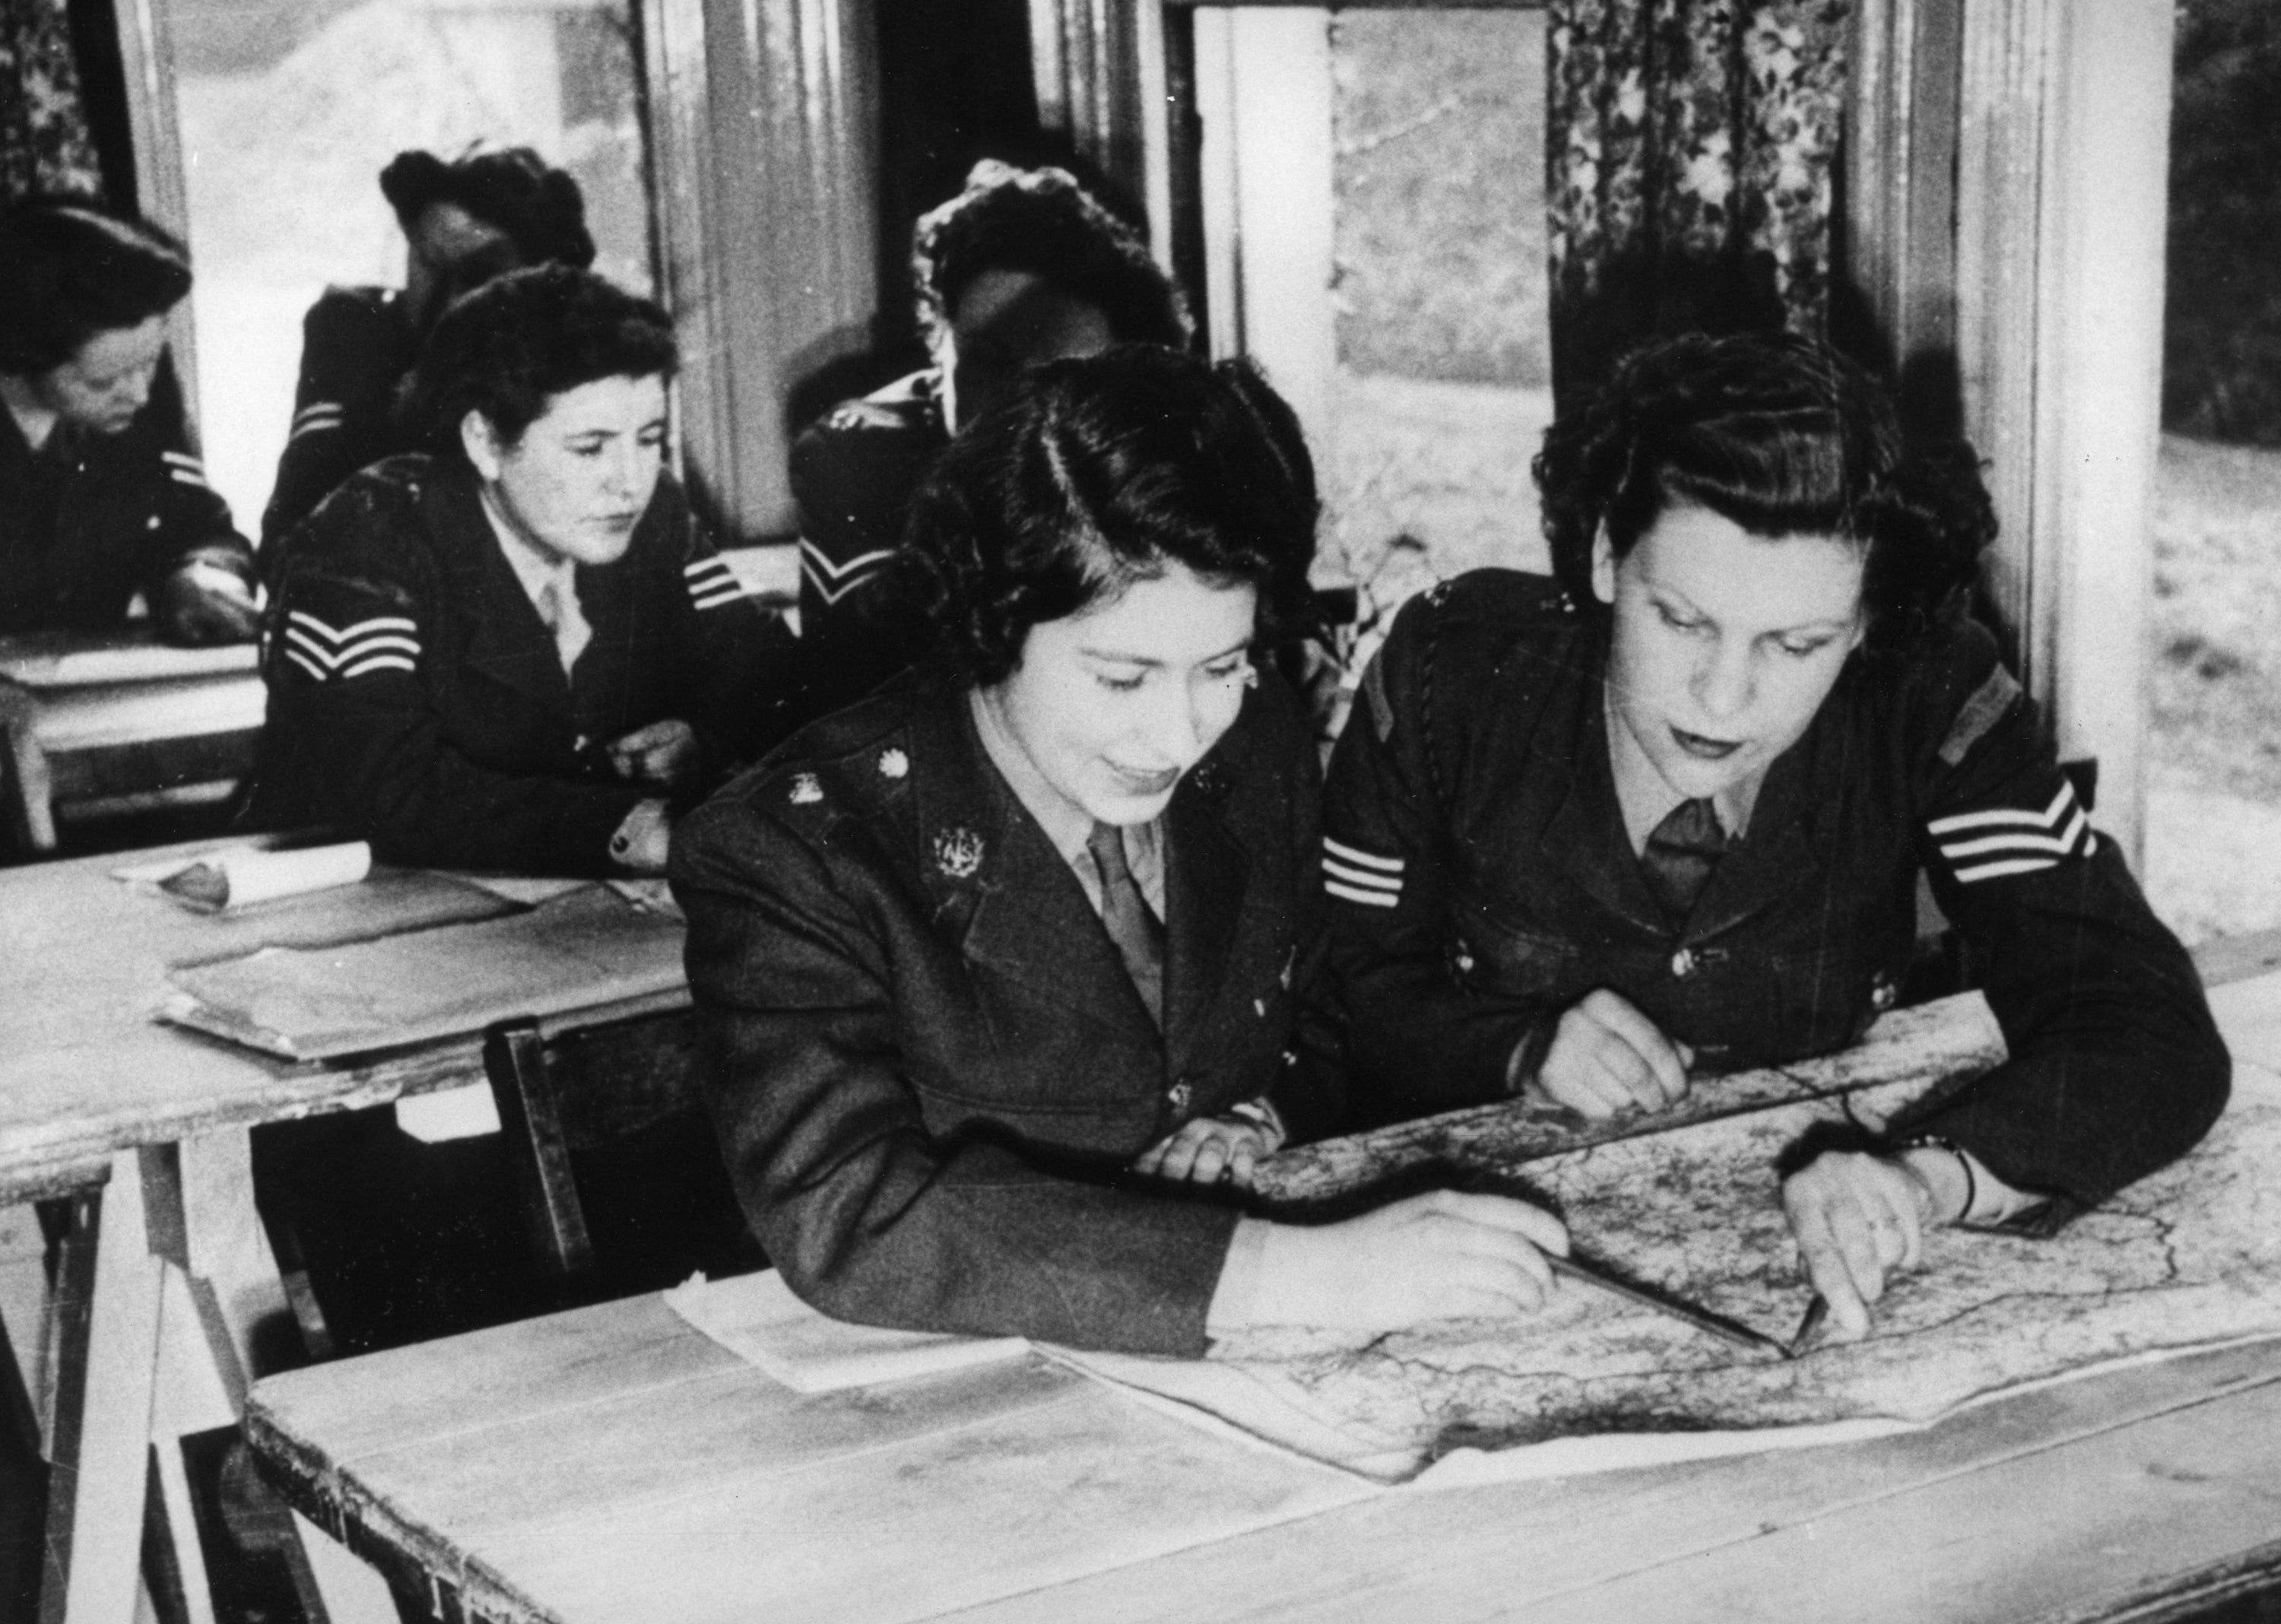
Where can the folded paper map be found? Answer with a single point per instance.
(2186, 1260)
(586, 949)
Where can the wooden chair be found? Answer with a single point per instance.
(578, 1091)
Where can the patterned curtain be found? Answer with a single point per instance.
(1691, 149)
(44, 142)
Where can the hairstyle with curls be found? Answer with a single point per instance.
(1785, 437)
(509, 348)
(70, 268)
(1043, 221)
(1101, 472)
(540, 208)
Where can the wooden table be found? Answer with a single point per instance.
(614, 1464)
(168, 1303)
(117, 720)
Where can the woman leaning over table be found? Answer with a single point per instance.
(101, 495)
(1001, 969)
(517, 651)
(1586, 835)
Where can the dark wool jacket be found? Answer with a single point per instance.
(416, 698)
(853, 473)
(92, 519)
(1481, 882)
(929, 1064)
(357, 344)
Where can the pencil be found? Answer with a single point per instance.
(1702, 1318)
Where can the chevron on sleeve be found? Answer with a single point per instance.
(711, 582)
(318, 417)
(185, 470)
(2001, 840)
(326, 653)
(834, 581)
(1353, 874)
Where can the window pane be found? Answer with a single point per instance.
(290, 108)
(1444, 377)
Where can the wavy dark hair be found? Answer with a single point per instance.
(1043, 221)
(509, 348)
(1101, 472)
(1785, 437)
(541, 209)
(71, 268)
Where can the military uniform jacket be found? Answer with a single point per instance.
(357, 344)
(928, 1064)
(91, 519)
(416, 698)
(1481, 882)
(853, 473)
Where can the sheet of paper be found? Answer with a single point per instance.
(2186, 1260)
(242, 876)
(757, 1317)
(581, 951)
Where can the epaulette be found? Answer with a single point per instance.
(851, 764)
(1503, 595)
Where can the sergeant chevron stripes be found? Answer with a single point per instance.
(833, 582)
(318, 417)
(711, 582)
(1357, 876)
(185, 471)
(384, 643)
(2004, 840)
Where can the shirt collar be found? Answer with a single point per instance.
(1647, 797)
(533, 569)
(1066, 824)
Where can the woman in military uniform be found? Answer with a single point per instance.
(998, 966)
(464, 222)
(101, 497)
(1023, 266)
(1585, 836)
(517, 651)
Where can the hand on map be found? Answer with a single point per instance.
(1209, 1150)
(1446, 1254)
(1857, 1219)
(1607, 1057)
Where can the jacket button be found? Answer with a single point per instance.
(1177, 1097)
(1682, 963)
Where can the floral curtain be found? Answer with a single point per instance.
(44, 142)
(1692, 150)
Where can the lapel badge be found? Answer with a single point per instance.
(894, 763)
(958, 852)
(1211, 781)
(807, 789)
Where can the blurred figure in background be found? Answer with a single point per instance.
(464, 222)
(1022, 267)
(101, 495)
(516, 650)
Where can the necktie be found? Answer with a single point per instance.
(1138, 935)
(1680, 856)
(560, 612)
